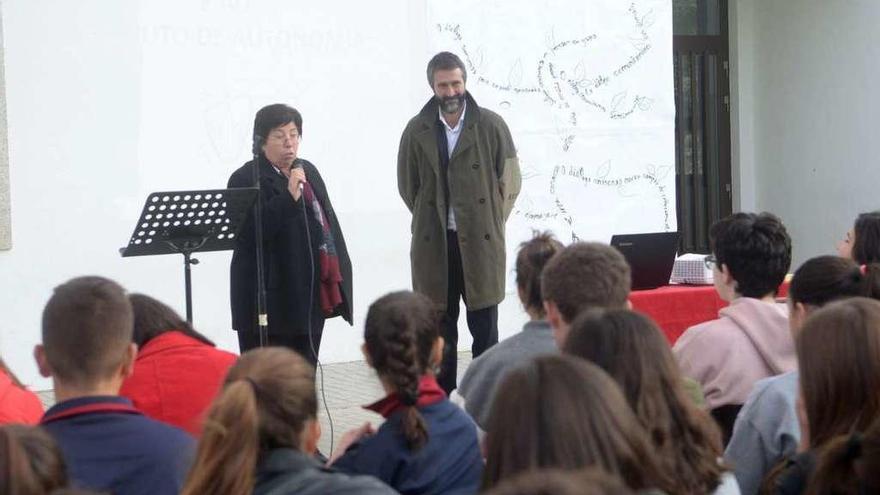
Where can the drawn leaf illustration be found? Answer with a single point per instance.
(617, 101)
(516, 73)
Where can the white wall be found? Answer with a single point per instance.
(110, 100)
(805, 110)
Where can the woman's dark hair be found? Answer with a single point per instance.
(630, 348)
(266, 401)
(533, 255)
(590, 481)
(756, 249)
(848, 465)
(30, 461)
(866, 242)
(271, 117)
(838, 351)
(823, 279)
(564, 412)
(153, 318)
(399, 334)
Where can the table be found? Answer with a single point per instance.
(675, 308)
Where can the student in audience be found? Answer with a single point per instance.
(178, 371)
(590, 481)
(848, 465)
(767, 429)
(17, 403)
(838, 351)
(427, 444)
(750, 340)
(584, 275)
(484, 373)
(862, 242)
(30, 462)
(262, 431)
(108, 445)
(564, 412)
(630, 348)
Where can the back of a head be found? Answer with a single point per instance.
(591, 481)
(848, 465)
(866, 244)
(268, 398)
(823, 279)
(756, 249)
(153, 318)
(533, 255)
(586, 275)
(633, 351)
(30, 461)
(399, 334)
(838, 351)
(86, 330)
(563, 412)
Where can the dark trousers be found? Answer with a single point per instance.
(482, 323)
(298, 342)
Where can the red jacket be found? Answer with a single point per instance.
(175, 379)
(18, 405)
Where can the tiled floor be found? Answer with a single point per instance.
(347, 387)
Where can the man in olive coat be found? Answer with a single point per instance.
(458, 174)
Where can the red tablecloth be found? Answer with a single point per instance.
(675, 308)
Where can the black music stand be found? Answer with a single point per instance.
(185, 222)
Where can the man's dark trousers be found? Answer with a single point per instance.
(482, 323)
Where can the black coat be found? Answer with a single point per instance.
(285, 255)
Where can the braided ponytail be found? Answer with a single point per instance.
(400, 333)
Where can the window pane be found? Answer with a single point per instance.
(696, 17)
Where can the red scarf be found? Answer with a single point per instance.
(429, 393)
(330, 275)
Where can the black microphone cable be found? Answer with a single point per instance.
(309, 317)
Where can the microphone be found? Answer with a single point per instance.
(297, 163)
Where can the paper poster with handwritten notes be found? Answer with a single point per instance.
(587, 90)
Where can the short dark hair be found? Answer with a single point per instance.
(445, 61)
(586, 275)
(271, 117)
(87, 326)
(866, 242)
(756, 249)
(530, 261)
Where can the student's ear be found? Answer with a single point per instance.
(629, 305)
(311, 435)
(437, 352)
(726, 277)
(42, 362)
(366, 355)
(128, 360)
(796, 317)
(553, 316)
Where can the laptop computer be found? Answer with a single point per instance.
(650, 256)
